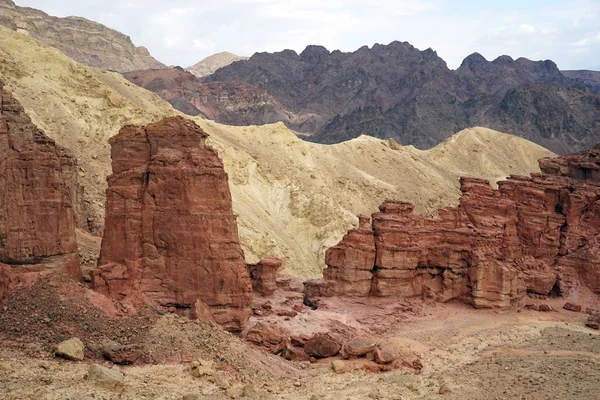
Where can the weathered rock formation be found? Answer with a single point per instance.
(170, 236)
(85, 41)
(538, 234)
(264, 274)
(37, 188)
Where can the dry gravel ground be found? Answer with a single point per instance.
(466, 353)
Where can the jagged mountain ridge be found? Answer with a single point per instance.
(85, 41)
(397, 91)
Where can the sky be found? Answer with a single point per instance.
(182, 32)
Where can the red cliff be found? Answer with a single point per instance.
(171, 237)
(37, 225)
(538, 234)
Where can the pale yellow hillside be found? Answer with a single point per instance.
(294, 199)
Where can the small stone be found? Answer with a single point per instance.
(297, 383)
(445, 388)
(248, 391)
(234, 392)
(71, 349)
(338, 366)
(5, 366)
(412, 386)
(545, 308)
(106, 377)
(374, 395)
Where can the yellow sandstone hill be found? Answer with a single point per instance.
(293, 198)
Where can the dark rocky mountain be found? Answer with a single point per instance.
(397, 91)
(391, 91)
(591, 78)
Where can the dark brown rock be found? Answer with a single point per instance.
(384, 356)
(537, 235)
(322, 346)
(170, 237)
(593, 321)
(264, 274)
(360, 347)
(37, 224)
(122, 355)
(572, 307)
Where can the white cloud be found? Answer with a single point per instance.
(527, 28)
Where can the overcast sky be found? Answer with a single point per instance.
(182, 32)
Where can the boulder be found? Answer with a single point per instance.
(322, 346)
(338, 366)
(360, 347)
(122, 355)
(170, 237)
(71, 349)
(572, 307)
(106, 377)
(593, 321)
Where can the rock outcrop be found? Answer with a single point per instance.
(37, 190)
(538, 234)
(171, 238)
(85, 41)
(264, 274)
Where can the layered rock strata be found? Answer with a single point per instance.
(85, 41)
(171, 238)
(37, 187)
(537, 234)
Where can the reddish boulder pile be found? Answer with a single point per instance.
(538, 234)
(37, 226)
(171, 237)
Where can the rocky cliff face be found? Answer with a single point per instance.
(170, 236)
(83, 40)
(231, 103)
(212, 63)
(397, 91)
(538, 234)
(37, 224)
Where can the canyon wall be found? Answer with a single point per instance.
(537, 235)
(171, 237)
(38, 190)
